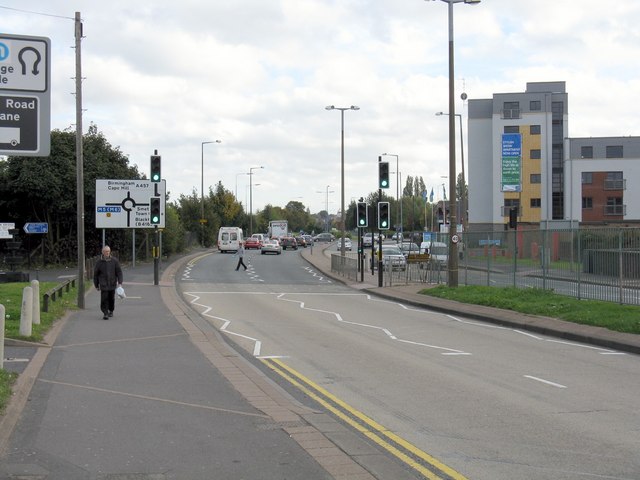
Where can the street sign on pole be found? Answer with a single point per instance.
(36, 227)
(25, 95)
(4, 230)
(127, 203)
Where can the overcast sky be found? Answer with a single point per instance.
(257, 75)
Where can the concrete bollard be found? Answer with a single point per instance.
(26, 312)
(35, 316)
(1, 336)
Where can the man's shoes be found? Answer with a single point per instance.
(111, 314)
(105, 317)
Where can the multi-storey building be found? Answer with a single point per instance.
(516, 156)
(521, 156)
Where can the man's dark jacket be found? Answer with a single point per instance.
(107, 274)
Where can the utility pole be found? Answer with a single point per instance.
(79, 162)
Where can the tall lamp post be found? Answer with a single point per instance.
(342, 221)
(251, 198)
(326, 222)
(463, 193)
(453, 235)
(398, 207)
(202, 219)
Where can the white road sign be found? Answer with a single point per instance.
(4, 230)
(25, 95)
(126, 203)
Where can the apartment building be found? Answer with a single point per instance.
(516, 156)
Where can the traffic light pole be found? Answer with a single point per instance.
(380, 278)
(156, 257)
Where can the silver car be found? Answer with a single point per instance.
(392, 258)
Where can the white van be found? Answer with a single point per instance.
(229, 239)
(438, 251)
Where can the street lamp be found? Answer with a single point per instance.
(453, 236)
(238, 174)
(398, 207)
(342, 221)
(202, 219)
(463, 193)
(251, 198)
(326, 223)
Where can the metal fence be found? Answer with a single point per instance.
(586, 263)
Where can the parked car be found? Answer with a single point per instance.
(347, 244)
(324, 237)
(288, 242)
(252, 242)
(438, 251)
(409, 248)
(392, 258)
(271, 246)
(367, 239)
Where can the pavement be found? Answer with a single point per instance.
(156, 393)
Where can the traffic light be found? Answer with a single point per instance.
(383, 216)
(383, 174)
(513, 217)
(155, 168)
(362, 218)
(154, 203)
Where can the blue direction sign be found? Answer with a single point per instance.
(41, 227)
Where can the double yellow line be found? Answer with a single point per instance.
(408, 453)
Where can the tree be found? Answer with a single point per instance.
(43, 189)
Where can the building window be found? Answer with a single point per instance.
(535, 154)
(614, 151)
(535, 105)
(536, 203)
(586, 152)
(614, 206)
(535, 178)
(511, 129)
(534, 129)
(510, 203)
(511, 110)
(587, 203)
(614, 181)
(587, 178)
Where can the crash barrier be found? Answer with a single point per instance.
(57, 292)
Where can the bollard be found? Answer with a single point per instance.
(1, 336)
(26, 312)
(35, 316)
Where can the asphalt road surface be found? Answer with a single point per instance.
(450, 397)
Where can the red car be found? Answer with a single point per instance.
(252, 242)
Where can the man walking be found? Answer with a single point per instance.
(107, 276)
(240, 254)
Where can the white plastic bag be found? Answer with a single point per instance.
(120, 292)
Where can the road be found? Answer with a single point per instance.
(451, 397)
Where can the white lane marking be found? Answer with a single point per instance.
(547, 382)
(257, 344)
(386, 331)
(602, 351)
(315, 274)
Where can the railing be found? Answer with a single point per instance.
(586, 263)
(57, 292)
(615, 184)
(511, 113)
(615, 209)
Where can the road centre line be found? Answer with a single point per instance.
(425, 464)
(365, 325)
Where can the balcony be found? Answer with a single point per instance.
(504, 211)
(511, 113)
(620, 184)
(616, 210)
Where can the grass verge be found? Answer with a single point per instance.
(535, 301)
(11, 298)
